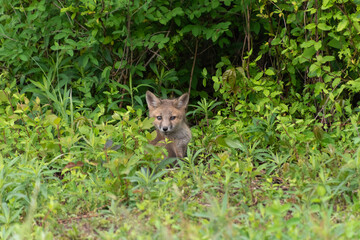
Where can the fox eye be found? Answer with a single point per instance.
(172, 117)
(159, 117)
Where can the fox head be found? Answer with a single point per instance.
(169, 114)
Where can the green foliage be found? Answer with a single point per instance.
(275, 147)
(94, 47)
(109, 52)
(262, 178)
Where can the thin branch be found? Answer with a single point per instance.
(67, 14)
(155, 53)
(193, 66)
(211, 45)
(327, 99)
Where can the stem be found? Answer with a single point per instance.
(193, 66)
(4, 137)
(207, 118)
(58, 130)
(131, 91)
(12, 108)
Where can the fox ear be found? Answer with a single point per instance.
(152, 100)
(182, 101)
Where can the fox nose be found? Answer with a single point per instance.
(165, 129)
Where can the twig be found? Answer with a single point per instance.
(126, 49)
(60, 147)
(193, 66)
(67, 14)
(8, 97)
(211, 45)
(155, 53)
(327, 99)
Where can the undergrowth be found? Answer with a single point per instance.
(64, 175)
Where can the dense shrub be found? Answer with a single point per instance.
(94, 47)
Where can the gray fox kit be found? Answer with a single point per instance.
(170, 122)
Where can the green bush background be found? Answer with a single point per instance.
(93, 47)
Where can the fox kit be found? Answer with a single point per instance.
(170, 123)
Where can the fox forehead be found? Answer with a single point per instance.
(166, 110)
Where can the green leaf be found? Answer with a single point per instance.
(276, 41)
(319, 86)
(120, 64)
(317, 45)
(57, 121)
(276, 93)
(70, 52)
(258, 88)
(324, 27)
(196, 30)
(147, 123)
(215, 4)
(177, 12)
(338, 108)
(310, 26)
(315, 70)
(342, 25)
(328, 59)
(93, 60)
(107, 40)
(255, 27)
(354, 85)
(335, 44)
(23, 57)
(61, 35)
(208, 33)
(233, 143)
(3, 97)
(71, 42)
(326, 4)
(336, 82)
(291, 18)
(307, 44)
(307, 55)
(266, 92)
(270, 72)
(2, 31)
(106, 73)
(51, 118)
(258, 76)
(177, 21)
(321, 191)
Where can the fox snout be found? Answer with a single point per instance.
(165, 129)
(164, 125)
